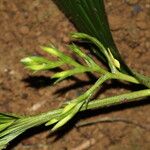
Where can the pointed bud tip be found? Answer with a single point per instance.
(26, 60)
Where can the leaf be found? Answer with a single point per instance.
(69, 116)
(34, 60)
(91, 39)
(52, 121)
(142, 79)
(89, 17)
(85, 57)
(37, 63)
(69, 107)
(114, 61)
(64, 74)
(5, 125)
(5, 118)
(61, 55)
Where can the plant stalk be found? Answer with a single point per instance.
(23, 124)
(125, 77)
(100, 103)
(116, 100)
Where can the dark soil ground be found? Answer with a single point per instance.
(27, 24)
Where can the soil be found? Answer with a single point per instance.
(24, 27)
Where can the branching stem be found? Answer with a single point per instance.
(101, 103)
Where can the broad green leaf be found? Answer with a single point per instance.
(89, 17)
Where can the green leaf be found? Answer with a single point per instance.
(71, 114)
(91, 39)
(89, 17)
(68, 73)
(61, 55)
(142, 79)
(52, 121)
(69, 107)
(37, 63)
(6, 121)
(5, 125)
(6, 118)
(34, 60)
(115, 62)
(85, 57)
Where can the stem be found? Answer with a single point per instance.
(101, 103)
(92, 90)
(125, 77)
(116, 100)
(23, 124)
(118, 75)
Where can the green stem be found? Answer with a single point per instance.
(93, 89)
(118, 75)
(82, 99)
(101, 103)
(23, 124)
(116, 100)
(125, 77)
